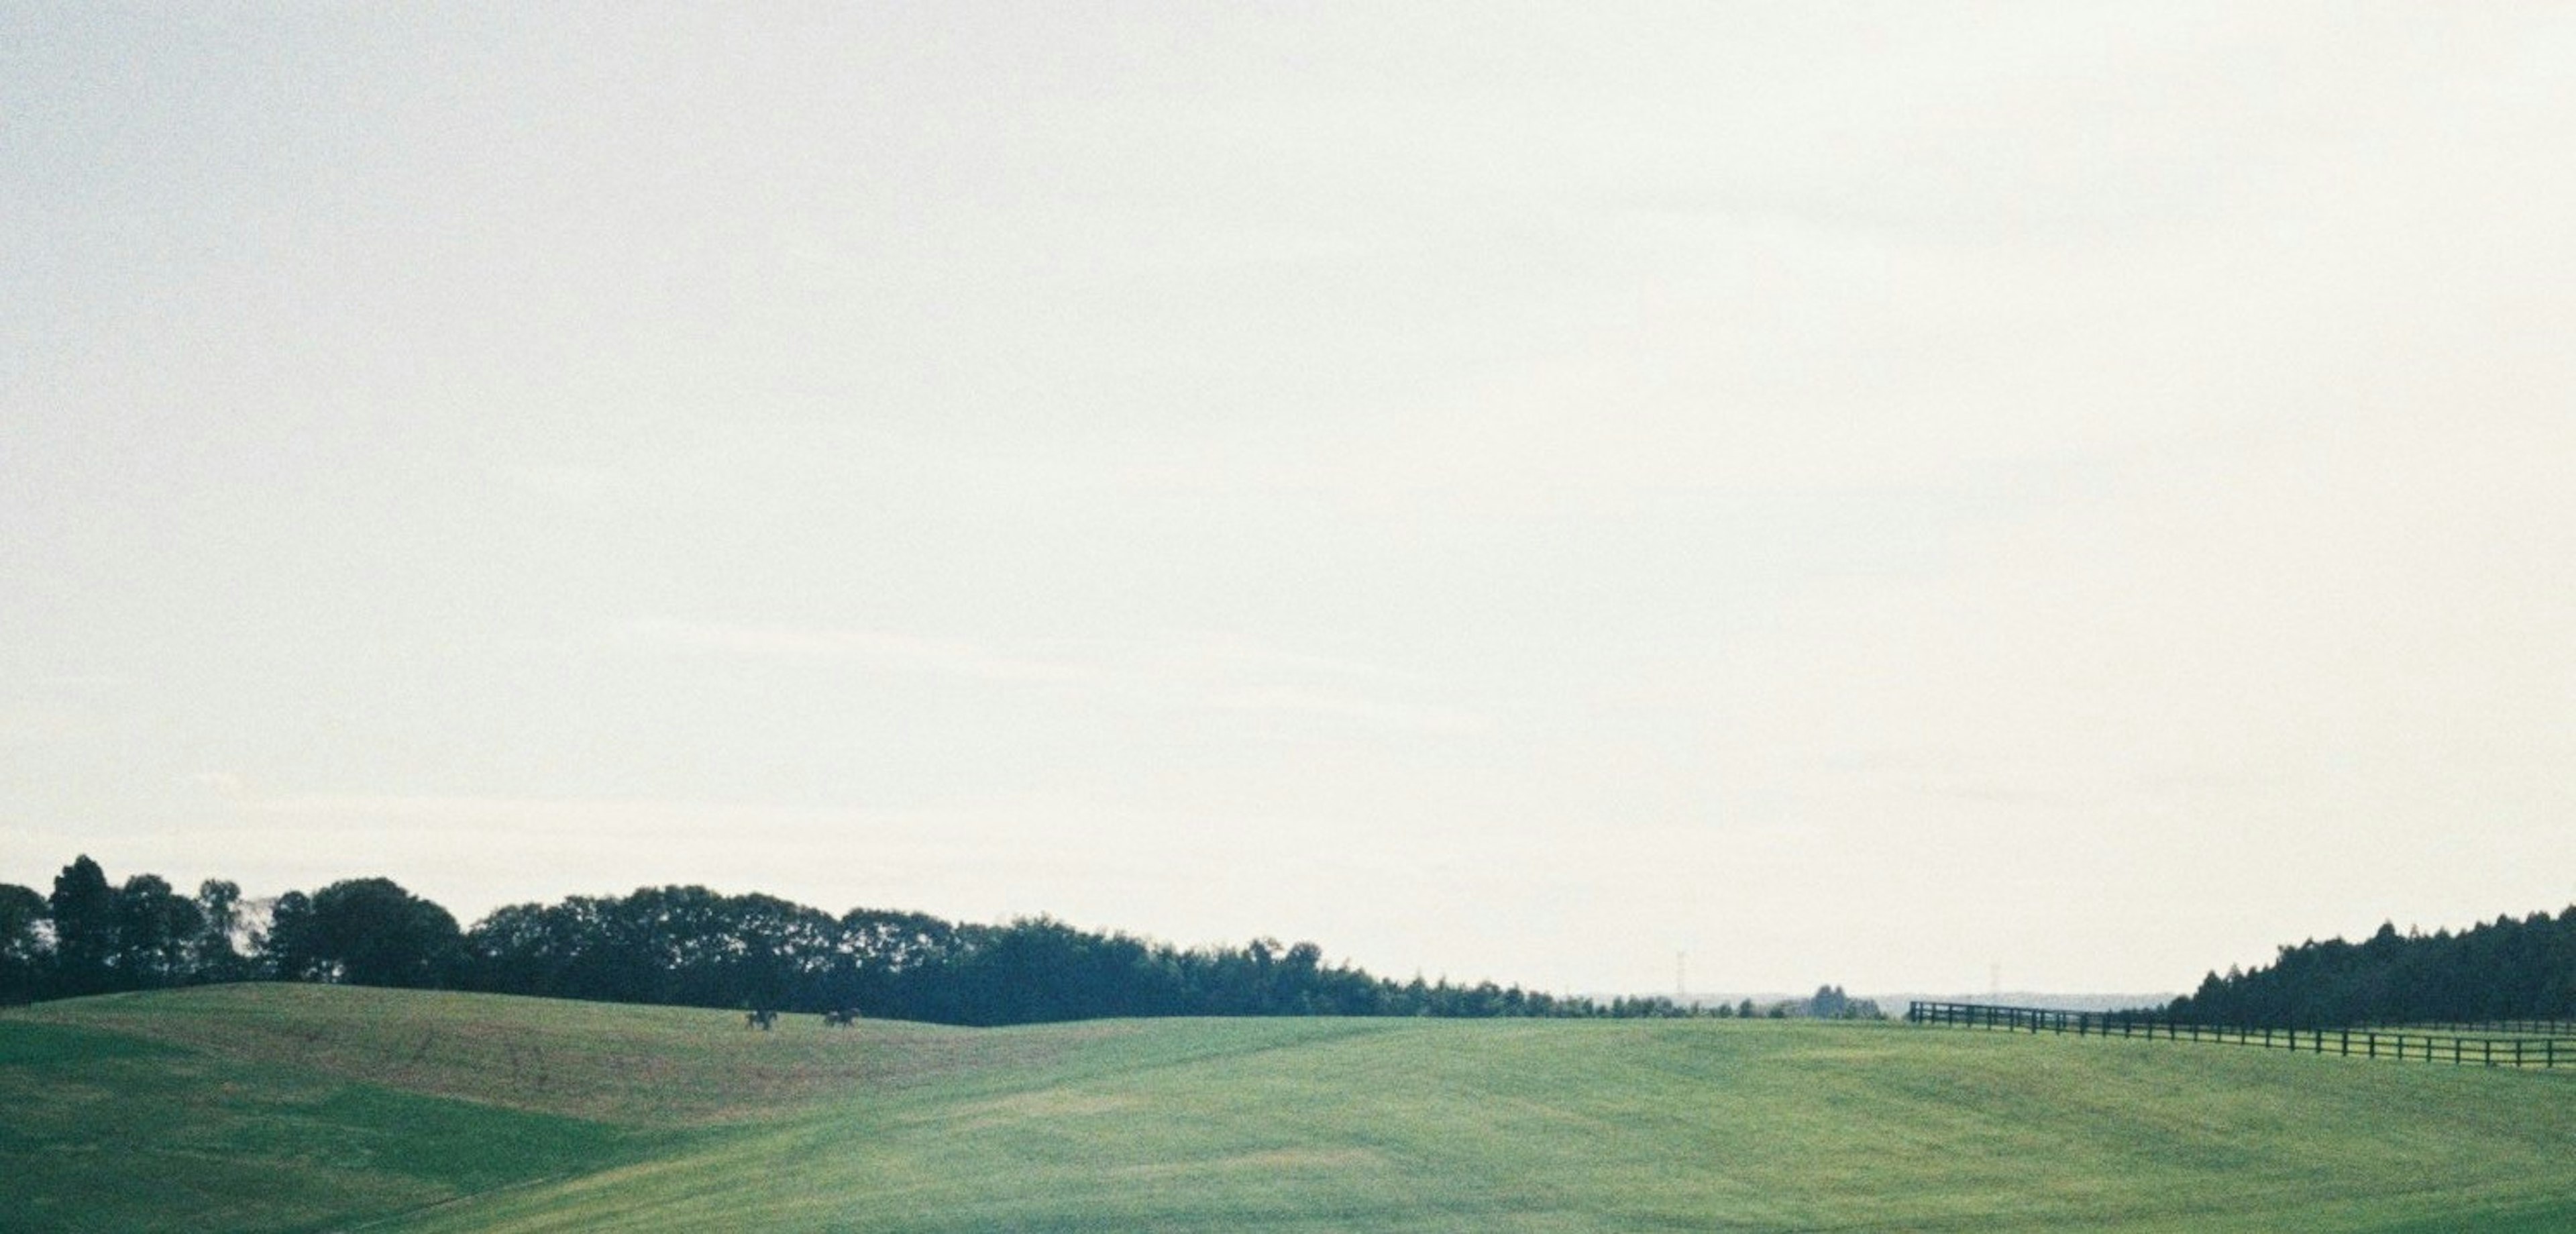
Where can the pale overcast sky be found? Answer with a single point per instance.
(1862, 494)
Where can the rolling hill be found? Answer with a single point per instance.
(311, 1107)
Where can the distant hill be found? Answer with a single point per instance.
(1895, 1003)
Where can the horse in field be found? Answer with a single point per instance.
(842, 1018)
(761, 1018)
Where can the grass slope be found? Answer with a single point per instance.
(105, 1131)
(432, 1112)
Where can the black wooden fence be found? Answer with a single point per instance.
(2538, 1048)
(2527, 1028)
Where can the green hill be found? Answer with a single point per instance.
(285, 1107)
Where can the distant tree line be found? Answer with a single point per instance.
(691, 946)
(1832, 1003)
(89, 937)
(2501, 970)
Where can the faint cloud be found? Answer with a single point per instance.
(83, 681)
(222, 783)
(1214, 672)
(35, 724)
(1376, 713)
(877, 650)
(1238, 248)
(1233, 673)
(569, 484)
(1235, 657)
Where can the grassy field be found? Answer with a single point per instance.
(305, 1107)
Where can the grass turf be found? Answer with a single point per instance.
(453, 1112)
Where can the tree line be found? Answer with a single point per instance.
(2499, 970)
(690, 946)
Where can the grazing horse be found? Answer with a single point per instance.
(842, 1018)
(760, 1018)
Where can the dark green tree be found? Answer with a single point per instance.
(2503, 969)
(23, 953)
(212, 953)
(289, 949)
(83, 908)
(369, 931)
(156, 929)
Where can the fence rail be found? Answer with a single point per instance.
(2526, 1028)
(2524, 1051)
